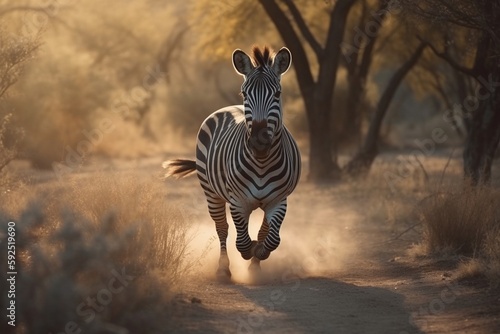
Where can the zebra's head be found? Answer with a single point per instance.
(261, 91)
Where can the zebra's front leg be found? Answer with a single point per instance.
(217, 209)
(263, 231)
(274, 215)
(244, 244)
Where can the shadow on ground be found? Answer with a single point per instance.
(323, 305)
(299, 305)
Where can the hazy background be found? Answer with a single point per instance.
(153, 70)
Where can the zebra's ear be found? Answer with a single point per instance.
(241, 62)
(282, 61)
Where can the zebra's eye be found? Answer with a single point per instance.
(242, 93)
(277, 94)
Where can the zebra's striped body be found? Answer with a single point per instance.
(246, 157)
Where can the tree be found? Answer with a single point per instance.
(361, 162)
(358, 63)
(384, 37)
(316, 92)
(315, 66)
(345, 34)
(482, 18)
(358, 58)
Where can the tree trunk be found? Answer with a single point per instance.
(322, 97)
(361, 162)
(357, 76)
(351, 131)
(484, 128)
(322, 167)
(482, 142)
(317, 94)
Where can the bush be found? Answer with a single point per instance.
(6, 154)
(73, 242)
(8, 151)
(462, 222)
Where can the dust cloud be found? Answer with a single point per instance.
(317, 238)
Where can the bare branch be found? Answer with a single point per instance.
(12, 56)
(449, 60)
(363, 159)
(434, 12)
(330, 62)
(366, 59)
(291, 39)
(304, 30)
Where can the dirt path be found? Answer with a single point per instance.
(394, 297)
(306, 305)
(335, 272)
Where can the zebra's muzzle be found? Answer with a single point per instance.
(260, 141)
(260, 154)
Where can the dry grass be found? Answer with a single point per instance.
(460, 221)
(72, 240)
(471, 268)
(465, 222)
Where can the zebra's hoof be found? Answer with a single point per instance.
(249, 253)
(260, 252)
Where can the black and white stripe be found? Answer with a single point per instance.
(246, 157)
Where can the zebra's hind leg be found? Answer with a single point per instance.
(217, 209)
(264, 229)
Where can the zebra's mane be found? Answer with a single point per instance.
(262, 57)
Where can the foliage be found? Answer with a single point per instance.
(245, 24)
(14, 53)
(91, 59)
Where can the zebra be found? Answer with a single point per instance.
(246, 157)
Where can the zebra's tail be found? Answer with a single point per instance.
(179, 168)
